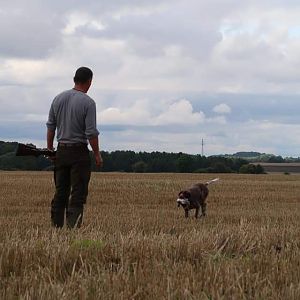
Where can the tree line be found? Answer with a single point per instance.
(155, 162)
(139, 162)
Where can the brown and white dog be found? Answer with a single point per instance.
(194, 198)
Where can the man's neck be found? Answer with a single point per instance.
(80, 88)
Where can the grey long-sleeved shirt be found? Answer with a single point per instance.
(73, 113)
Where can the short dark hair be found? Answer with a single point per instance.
(83, 74)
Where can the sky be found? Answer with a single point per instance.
(167, 73)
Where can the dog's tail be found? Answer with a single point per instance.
(212, 181)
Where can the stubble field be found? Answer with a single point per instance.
(136, 244)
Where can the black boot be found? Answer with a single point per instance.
(74, 217)
(57, 218)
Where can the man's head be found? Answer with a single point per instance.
(83, 79)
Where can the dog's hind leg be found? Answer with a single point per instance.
(186, 211)
(197, 213)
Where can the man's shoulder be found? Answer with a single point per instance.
(88, 98)
(63, 95)
(88, 101)
(79, 96)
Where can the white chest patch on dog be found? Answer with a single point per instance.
(183, 201)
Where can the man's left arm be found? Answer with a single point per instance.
(92, 132)
(50, 139)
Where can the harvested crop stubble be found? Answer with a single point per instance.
(136, 243)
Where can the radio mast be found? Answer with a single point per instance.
(202, 148)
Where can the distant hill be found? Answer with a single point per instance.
(253, 156)
(250, 156)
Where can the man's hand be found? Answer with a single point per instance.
(99, 160)
(95, 146)
(53, 158)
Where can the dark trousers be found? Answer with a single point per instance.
(71, 175)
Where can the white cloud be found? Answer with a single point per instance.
(217, 120)
(79, 20)
(222, 109)
(137, 114)
(179, 112)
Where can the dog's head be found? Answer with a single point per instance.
(183, 199)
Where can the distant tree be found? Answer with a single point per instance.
(276, 159)
(260, 169)
(9, 161)
(160, 162)
(123, 160)
(139, 167)
(200, 162)
(108, 163)
(201, 170)
(7, 147)
(237, 163)
(220, 167)
(252, 169)
(43, 163)
(185, 163)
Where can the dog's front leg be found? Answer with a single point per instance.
(197, 213)
(203, 209)
(186, 211)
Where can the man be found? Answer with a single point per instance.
(73, 114)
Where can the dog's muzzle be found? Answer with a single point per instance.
(183, 202)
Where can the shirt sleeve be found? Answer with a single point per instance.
(91, 122)
(51, 124)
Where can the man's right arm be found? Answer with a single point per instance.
(51, 125)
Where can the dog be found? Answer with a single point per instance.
(194, 198)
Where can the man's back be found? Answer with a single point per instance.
(73, 113)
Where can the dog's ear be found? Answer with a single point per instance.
(181, 192)
(187, 194)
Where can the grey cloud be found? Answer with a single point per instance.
(220, 134)
(101, 7)
(28, 33)
(17, 131)
(192, 25)
(148, 35)
(283, 108)
(17, 101)
(148, 129)
(33, 29)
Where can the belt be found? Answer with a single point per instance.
(65, 145)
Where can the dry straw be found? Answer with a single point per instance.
(136, 244)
